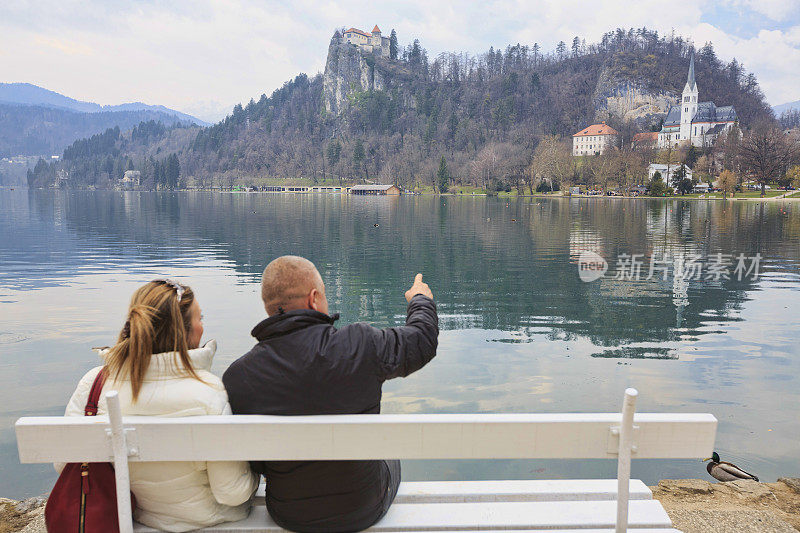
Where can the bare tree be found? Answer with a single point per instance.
(552, 160)
(766, 154)
(603, 167)
(727, 148)
(703, 169)
(727, 182)
(484, 166)
(631, 168)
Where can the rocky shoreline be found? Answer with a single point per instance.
(694, 505)
(26, 516)
(744, 506)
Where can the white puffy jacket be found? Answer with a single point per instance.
(178, 496)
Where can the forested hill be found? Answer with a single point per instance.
(392, 119)
(41, 130)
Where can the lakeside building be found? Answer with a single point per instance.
(375, 190)
(282, 188)
(328, 188)
(131, 179)
(699, 123)
(594, 140)
(373, 43)
(666, 171)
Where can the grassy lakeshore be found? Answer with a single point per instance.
(466, 190)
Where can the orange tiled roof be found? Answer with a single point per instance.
(596, 129)
(376, 29)
(646, 136)
(356, 30)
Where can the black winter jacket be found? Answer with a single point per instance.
(303, 365)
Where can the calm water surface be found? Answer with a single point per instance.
(520, 331)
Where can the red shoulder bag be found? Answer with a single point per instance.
(84, 498)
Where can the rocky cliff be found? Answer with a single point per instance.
(349, 70)
(630, 100)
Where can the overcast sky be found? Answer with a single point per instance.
(202, 57)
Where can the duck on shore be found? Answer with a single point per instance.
(725, 471)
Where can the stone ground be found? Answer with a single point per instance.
(26, 516)
(744, 506)
(694, 505)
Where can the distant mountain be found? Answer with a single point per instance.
(36, 121)
(39, 130)
(788, 106)
(29, 94)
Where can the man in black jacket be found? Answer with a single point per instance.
(303, 365)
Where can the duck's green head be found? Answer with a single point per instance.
(714, 457)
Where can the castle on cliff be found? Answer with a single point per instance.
(373, 43)
(697, 122)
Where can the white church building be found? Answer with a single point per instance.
(694, 121)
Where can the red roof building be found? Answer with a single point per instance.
(647, 139)
(359, 32)
(597, 129)
(593, 140)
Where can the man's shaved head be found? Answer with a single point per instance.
(287, 282)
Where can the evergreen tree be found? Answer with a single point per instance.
(680, 181)
(160, 175)
(692, 155)
(172, 171)
(358, 155)
(393, 45)
(415, 55)
(656, 186)
(561, 49)
(334, 152)
(443, 176)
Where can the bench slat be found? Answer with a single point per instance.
(539, 490)
(644, 514)
(349, 437)
(529, 515)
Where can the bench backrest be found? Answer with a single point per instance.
(342, 437)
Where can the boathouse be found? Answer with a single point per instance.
(375, 190)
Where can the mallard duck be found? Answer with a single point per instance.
(725, 471)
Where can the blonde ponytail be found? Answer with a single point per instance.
(157, 322)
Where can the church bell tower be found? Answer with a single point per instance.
(688, 103)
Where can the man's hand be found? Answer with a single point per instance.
(418, 288)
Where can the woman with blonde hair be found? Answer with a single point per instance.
(159, 370)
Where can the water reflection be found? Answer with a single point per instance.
(521, 332)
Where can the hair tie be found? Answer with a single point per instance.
(280, 310)
(126, 329)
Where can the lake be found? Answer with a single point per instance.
(520, 330)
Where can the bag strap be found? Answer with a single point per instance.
(94, 394)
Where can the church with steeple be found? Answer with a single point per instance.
(693, 121)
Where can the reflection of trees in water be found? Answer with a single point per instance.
(492, 264)
(637, 352)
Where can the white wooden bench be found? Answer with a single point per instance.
(565, 505)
